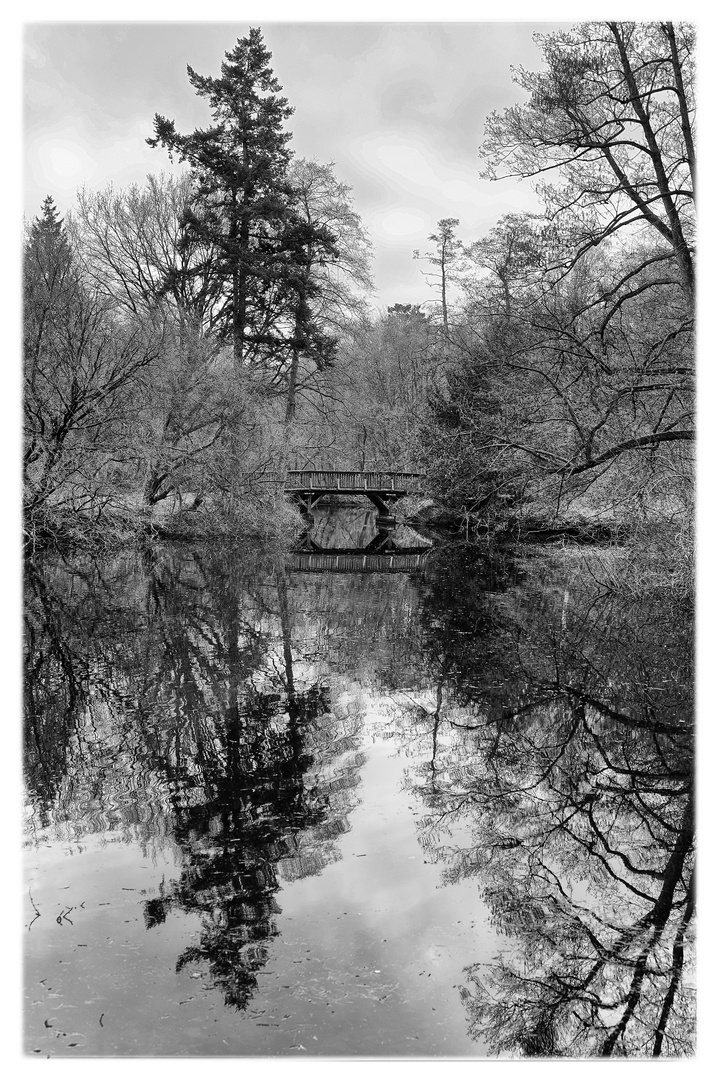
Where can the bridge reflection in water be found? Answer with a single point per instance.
(380, 553)
(357, 561)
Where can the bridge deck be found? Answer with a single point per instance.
(338, 482)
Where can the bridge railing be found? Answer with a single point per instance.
(333, 480)
(322, 562)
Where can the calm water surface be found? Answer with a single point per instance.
(437, 811)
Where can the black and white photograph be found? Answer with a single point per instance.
(357, 560)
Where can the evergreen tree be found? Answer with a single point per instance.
(48, 258)
(304, 244)
(49, 295)
(243, 202)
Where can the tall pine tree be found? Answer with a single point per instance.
(243, 205)
(48, 260)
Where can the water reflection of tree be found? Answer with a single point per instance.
(461, 635)
(233, 840)
(574, 773)
(79, 619)
(178, 674)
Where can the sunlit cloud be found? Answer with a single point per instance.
(408, 163)
(59, 163)
(400, 224)
(428, 185)
(64, 161)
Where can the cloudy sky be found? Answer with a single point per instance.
(398, 107)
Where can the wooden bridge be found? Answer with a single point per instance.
(382, 488)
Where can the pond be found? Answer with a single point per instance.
(290, 806)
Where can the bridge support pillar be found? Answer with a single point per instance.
(306, 501)
(385, 519)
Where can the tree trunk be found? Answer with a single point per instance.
(292, 386)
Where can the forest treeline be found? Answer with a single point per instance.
(189, 339)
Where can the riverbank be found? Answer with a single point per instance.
(128, 523)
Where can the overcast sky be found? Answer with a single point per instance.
(398, 107)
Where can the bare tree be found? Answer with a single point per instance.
(612, 114)
(332, 278)
(83, 360)
(581, 376)
(135, 246)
